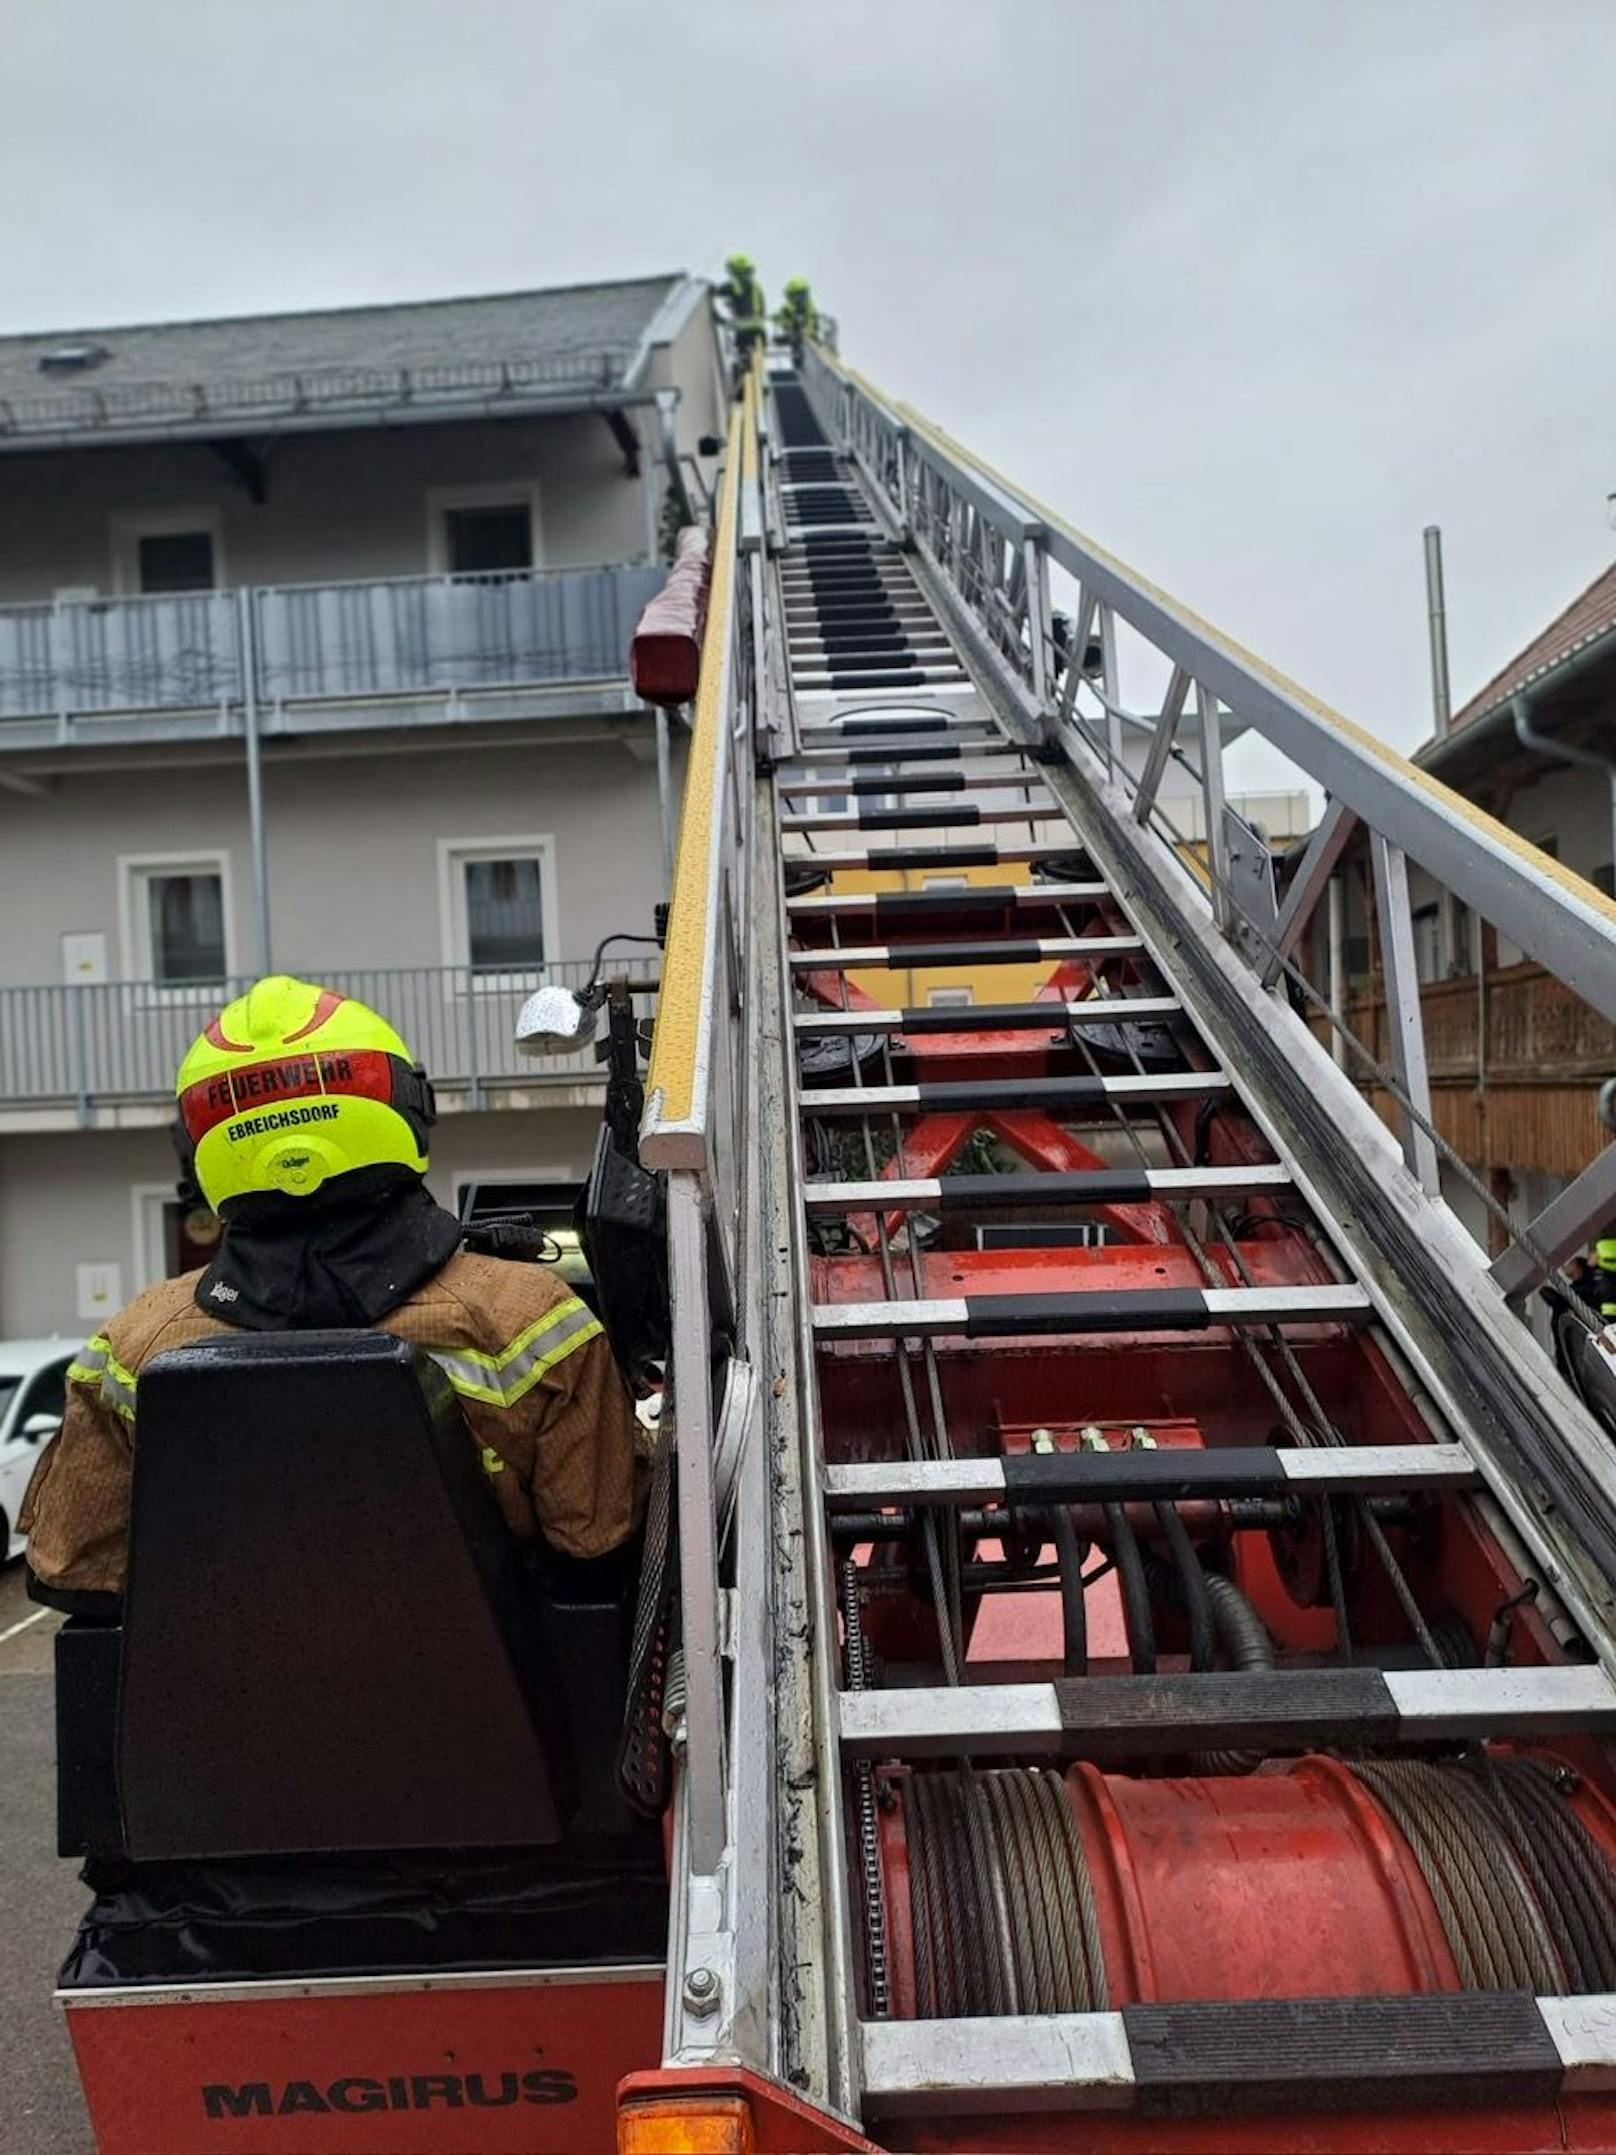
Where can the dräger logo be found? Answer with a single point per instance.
(415, 2091)
(289, 1118)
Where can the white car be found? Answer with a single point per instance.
(33, 1396)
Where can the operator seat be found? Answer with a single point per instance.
(329, 1642)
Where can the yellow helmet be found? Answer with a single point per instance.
(292, 1085)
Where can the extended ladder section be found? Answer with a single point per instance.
(1146, 1596)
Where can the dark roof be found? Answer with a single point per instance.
(1590, 615)
(265, 368)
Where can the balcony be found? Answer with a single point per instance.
(382, 651)
(105, 1057)
(1516, 1061)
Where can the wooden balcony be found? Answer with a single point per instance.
(1516, 1062)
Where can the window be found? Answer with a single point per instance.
(504, 914)
(480, 542)
(185, 915)
(483, 530)
(175, 561)
(167, 551)
(498, 898)
(949, 998)
(176, 920)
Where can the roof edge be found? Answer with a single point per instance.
(670, 277)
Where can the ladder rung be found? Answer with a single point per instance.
(901, 672)
(865, 638)
(898, 749)
(1115, 1717)
(848, 630)
(1143, 1474)
(858, 571)
(827, 782)
(1094, 1309)
(987, 855)
(948, 1096)
(967, 816)
(949, 1195)
(990, 950)
(847, 729)
(817, 677)
(994, 1017)
(979, 898)
(870, 643)
(1224, 2059)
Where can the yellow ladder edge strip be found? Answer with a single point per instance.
(676, 1043)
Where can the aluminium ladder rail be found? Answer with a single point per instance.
(866, 675)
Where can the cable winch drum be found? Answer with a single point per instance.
(1017, 1890)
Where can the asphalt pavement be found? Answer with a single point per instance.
(40, 1896)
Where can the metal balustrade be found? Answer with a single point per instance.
(1003, 559)
(332, 642)
(97, 1048)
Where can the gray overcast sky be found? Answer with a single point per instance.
(1253, 289)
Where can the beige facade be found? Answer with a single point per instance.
(92, 1201)
(379, 807)
(360, 843)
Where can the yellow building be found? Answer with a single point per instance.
(905, 987)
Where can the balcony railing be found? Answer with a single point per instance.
(386, 636)
(1520, 1026)
(1516, 1062)
(93, 1049)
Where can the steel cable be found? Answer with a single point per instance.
(1002, 1905)
(1051, 1790)
(1039, 1885)
(996, 1930)
(1582, 1888)
(923, 1913)
(1494, 1925)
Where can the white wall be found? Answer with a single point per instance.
(338, 505)
(70, 1200)
(66, 1201)
(353, 846)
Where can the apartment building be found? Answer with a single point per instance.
(313, 658)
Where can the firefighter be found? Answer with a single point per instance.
(743, 298)
(1599, 1284)
(796, 319)
(305, 1120)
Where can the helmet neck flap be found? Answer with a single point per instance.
(347, 1255)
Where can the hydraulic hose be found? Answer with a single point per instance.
(1194, 1586)
(1240, 1632)
(1136, 1616)
(1070, 1552)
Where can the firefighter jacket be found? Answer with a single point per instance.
(529, 1363)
